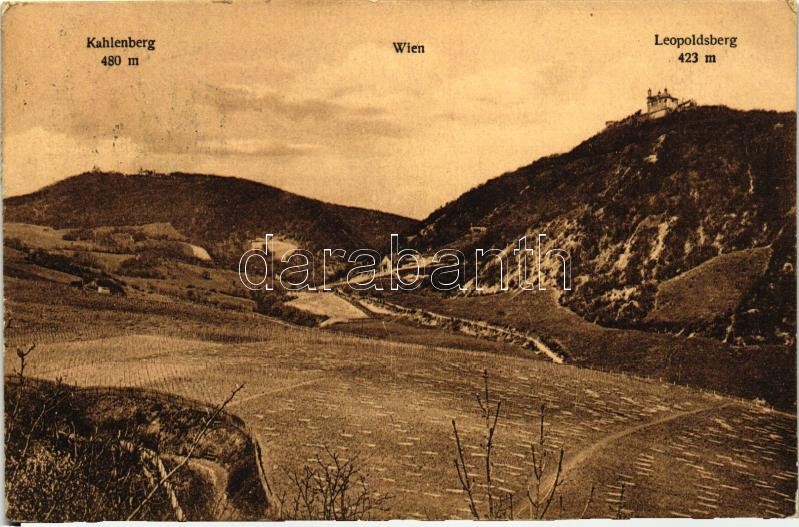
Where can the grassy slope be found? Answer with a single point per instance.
(712, 289)
(767, 372)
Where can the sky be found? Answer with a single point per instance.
(312, 98)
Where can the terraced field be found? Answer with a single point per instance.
(676, 450)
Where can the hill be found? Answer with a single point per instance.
(221, 214)
(640, 204)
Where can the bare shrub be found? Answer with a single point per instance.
(332, 488)
(544, 482)
(540, 491)
(499, 505)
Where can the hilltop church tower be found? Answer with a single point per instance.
(660, 104)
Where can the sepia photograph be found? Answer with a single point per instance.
(377, 260)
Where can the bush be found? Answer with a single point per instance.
(144, 265)
(58, 262)
(288, 313)
(331, 488)
(79, 235)
(272, 303)
(17, 244)
(65, 264)
(86, 259)
(54, 470)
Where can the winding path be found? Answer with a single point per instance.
(237, 402)
(573, 462)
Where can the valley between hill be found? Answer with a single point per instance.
(676, 395)
(392, 403)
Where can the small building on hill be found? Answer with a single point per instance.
(657, 105)
(660, 104)
(103, 286)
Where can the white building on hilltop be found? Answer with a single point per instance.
(660, 104)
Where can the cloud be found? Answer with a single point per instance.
(259, 97)
(324, 115)
(254, 147)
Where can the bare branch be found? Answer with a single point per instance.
(465, 479)
(588, 503)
